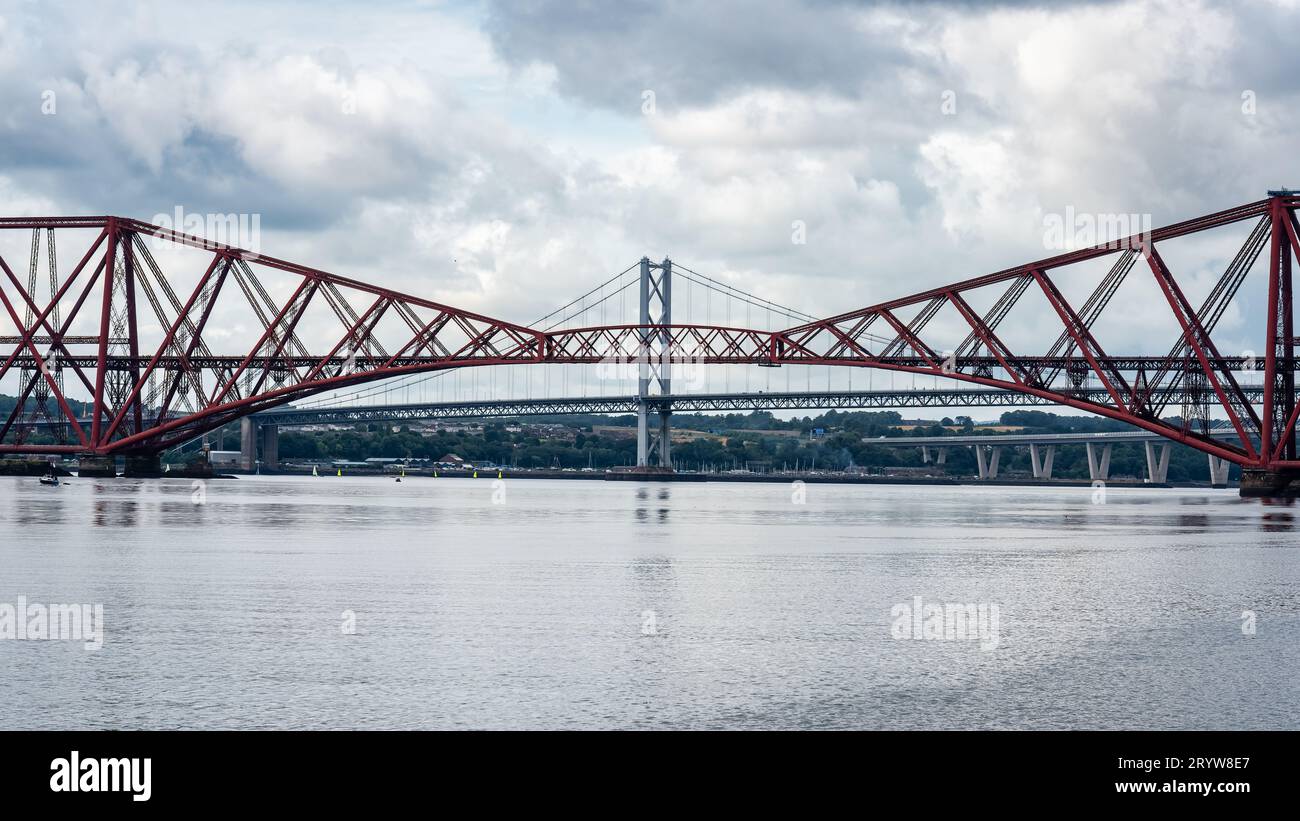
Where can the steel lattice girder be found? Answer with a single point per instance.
(680, 403)
(817, 342)
(131, 414)
(686, 403)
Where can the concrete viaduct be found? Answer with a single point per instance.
(1042, 449)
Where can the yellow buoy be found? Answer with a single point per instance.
(476, 474)
(498, 474)
(340, 472)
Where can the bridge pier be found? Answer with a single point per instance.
(940, 455)
(1218, 470)
(97, 467)
(642, 433)
(1258, 482)
(1098, 469)
(665, 437)
(144, 465)
(987, 467)
(251, 435)
(270, 446)
(1157, 469)
(138, 465)
(653, 447)
(247, 443)
(1042, 469)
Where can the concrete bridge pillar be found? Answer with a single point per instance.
(654, 446)
(1042, 468)
(642, 433)
(940, 455)
(251, 436)
(987, 466)
(1157, 469)
(270, 436)
(1098, 469)
(1218, 471)
(665, 436)
(247, 443)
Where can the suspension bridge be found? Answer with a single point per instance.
(128, 352)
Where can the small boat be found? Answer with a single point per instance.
(314, 472)
(50, 479)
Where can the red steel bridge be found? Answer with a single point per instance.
(139, 330)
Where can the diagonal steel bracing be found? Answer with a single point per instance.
(160, 354)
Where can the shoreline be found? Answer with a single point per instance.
(768, 478)
(631, 476)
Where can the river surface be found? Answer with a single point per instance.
(278, 602)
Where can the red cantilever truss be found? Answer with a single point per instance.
(195, 375)
(165, 356)
(1140, 388)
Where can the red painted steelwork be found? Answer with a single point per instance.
(137, 394)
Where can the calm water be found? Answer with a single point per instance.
(531, 612)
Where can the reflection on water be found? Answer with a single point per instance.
(617, 604)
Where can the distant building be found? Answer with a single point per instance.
(223, 458)
(457, 427)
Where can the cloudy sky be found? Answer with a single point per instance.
(505, 156)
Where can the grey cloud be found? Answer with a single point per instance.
(692, 54)
(700, 53)
(143, 126)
